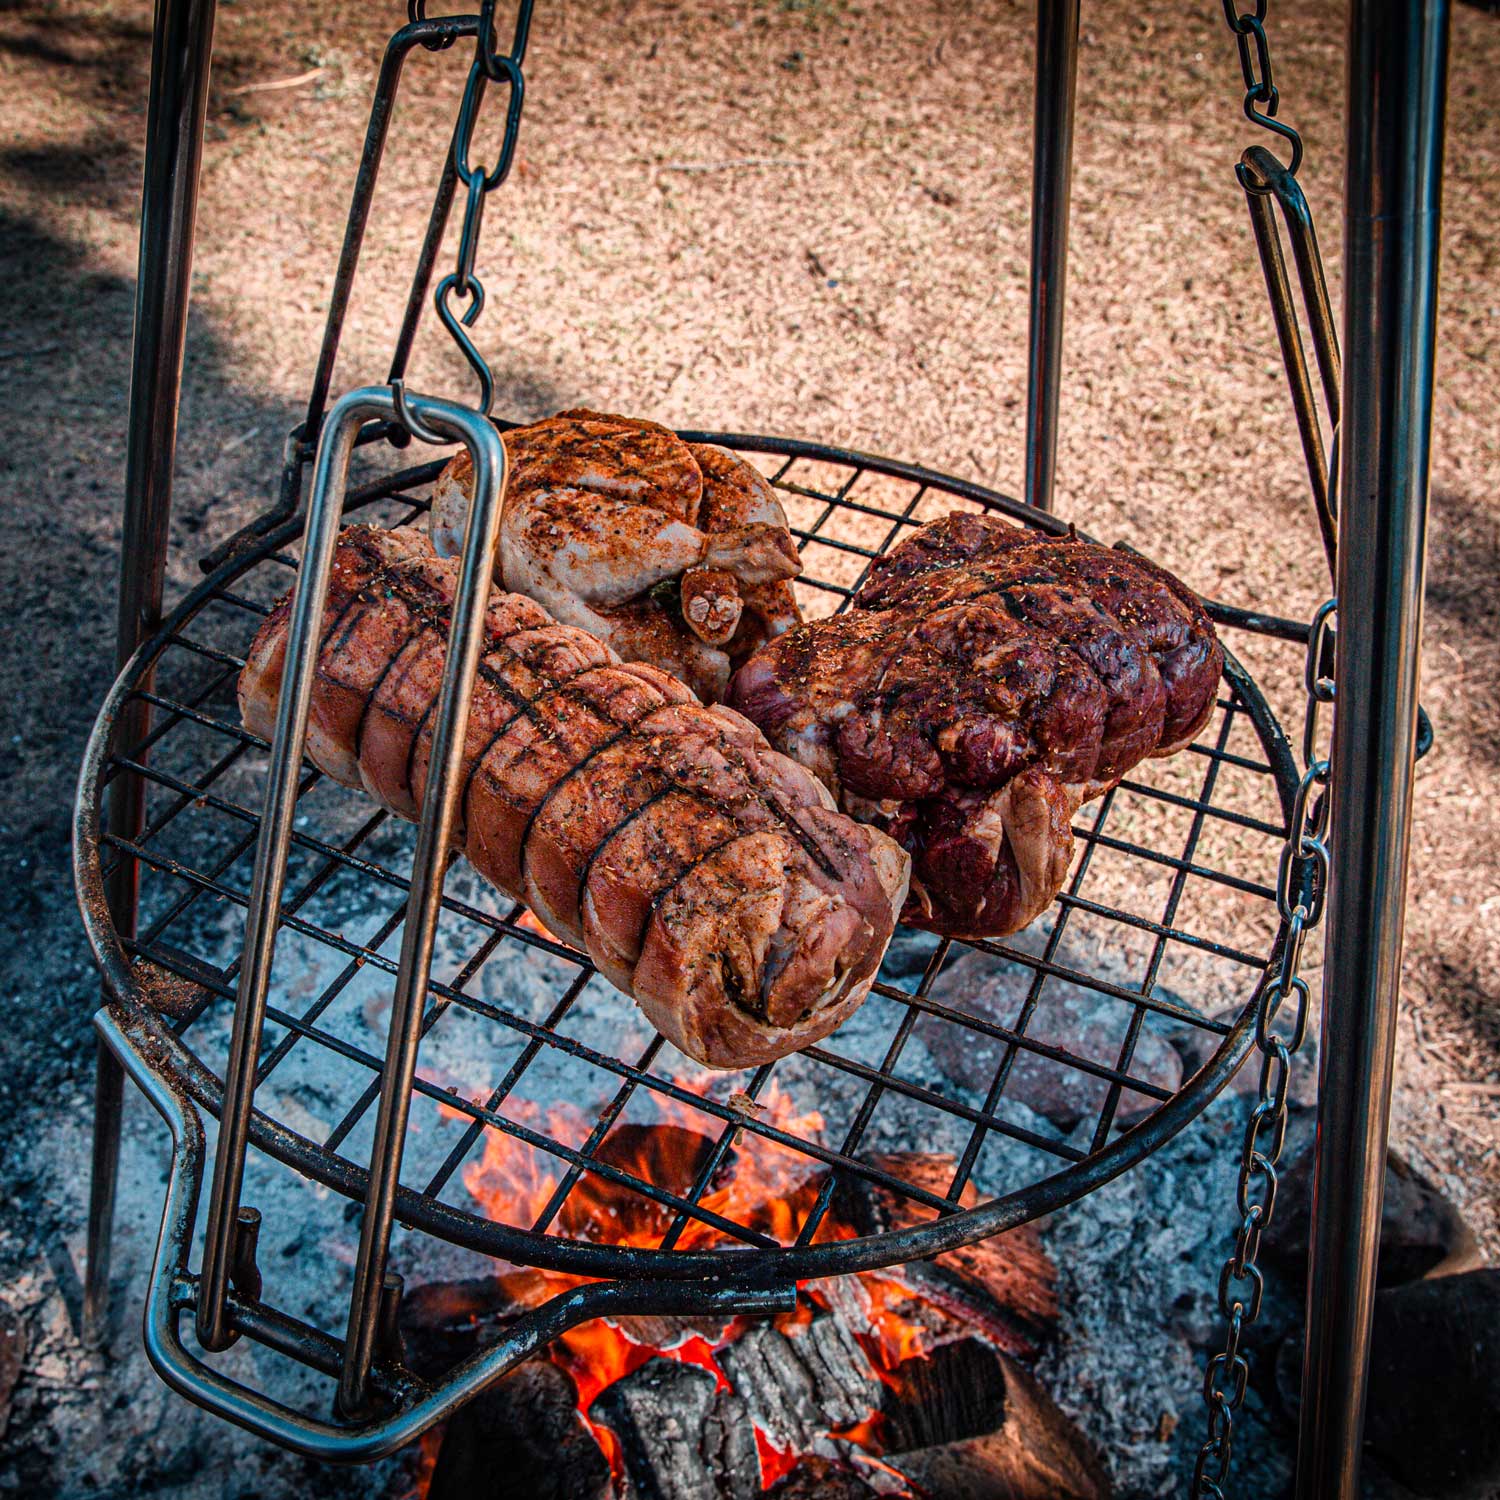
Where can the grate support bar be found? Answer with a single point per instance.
(1051, 185)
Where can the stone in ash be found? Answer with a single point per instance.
(1080, 1021)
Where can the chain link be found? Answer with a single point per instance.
(1261, 97)
(1280, 1029)
(416, 13)
(459, 297)
(1301, 889)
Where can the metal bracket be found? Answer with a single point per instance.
(1263, 178)
(411, 1405)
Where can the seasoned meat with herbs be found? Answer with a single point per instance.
(676, 553)
(707, 876)
(987, 681)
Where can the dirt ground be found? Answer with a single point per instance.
(795, 216)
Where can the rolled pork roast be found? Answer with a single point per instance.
(706, 875)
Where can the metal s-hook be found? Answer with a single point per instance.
(488, 66)
(409, 419)
(458, 326)
(1262, 98)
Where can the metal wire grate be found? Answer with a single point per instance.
(1167, 922)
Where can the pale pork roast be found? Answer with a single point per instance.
(987, 681)
(676, 554)
(706, 875)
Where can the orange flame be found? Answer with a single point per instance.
(893, 1338)
(865, 1434)
(529, 921)
(762, 1185)
(757, 1184)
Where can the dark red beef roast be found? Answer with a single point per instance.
(987, 681)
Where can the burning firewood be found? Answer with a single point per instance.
(1006, 1285)
(867, 1366)
(683, 1438)
(529, 1416)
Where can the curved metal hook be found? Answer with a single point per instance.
(458, 327)
(416, 14)
(409, 419)
(1276, 127)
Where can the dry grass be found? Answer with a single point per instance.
(798, 216)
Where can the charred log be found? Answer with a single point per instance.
(521, 1440)
(443, 1322)
(954, 1393)
(799, 1389)
(817, 1478)
(1005, 1288)
(1035, 1453)
(682, 1438)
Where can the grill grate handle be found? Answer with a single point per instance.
(325, 510)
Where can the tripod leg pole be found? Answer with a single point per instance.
(1398, 53)
(181, 46)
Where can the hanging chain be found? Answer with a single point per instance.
(1302, 873)
(1261, 97)
(1301, 890)
(462, 285)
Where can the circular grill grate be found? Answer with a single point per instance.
(531, 1064)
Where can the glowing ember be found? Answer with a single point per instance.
(531, 923)
(775, 1463)
(632, 1193)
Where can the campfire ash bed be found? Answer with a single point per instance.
(511, 1105)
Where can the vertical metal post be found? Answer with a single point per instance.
(1397, 79)
(181, 46)
(1051, 174)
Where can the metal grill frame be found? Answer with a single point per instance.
(1395, 138)
(954, 1226)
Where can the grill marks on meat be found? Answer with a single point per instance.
(606, 454)
(706, 875)
(985, 684)
(676, 554)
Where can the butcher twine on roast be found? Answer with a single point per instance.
(986, 683)
(707, 876)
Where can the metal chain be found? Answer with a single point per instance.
(1261, 97)
(1301, 890)
(462, 284)
(416, 11)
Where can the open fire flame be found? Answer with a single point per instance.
(761, 1185)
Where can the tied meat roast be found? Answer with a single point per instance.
(987, 681)
(706, 875)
